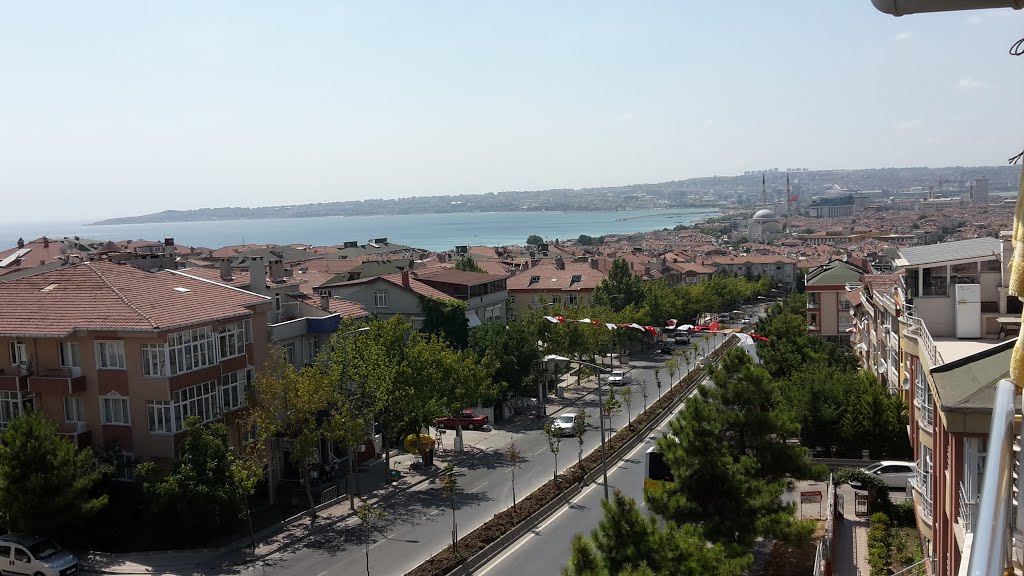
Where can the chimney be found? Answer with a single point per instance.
(46, 242)
(21, 242)
(257, 275)
(168, 241)
(225, 270)
(405, 278)
(595, 264)
(276, 271)
(325, 302)
(559, 263)
(647, 270)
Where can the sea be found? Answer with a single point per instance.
(435, 232)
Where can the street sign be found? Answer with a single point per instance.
(810, 497)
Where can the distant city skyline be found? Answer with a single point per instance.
(120, 108)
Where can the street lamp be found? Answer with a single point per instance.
(600, 401)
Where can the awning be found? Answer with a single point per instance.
(474, 320)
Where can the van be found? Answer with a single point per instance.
(723, 317)
(32, 555)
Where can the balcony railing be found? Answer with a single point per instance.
(917, 329)
(968, 509)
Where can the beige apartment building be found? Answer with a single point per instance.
(120, 356)
(828, 308)
(550, 287)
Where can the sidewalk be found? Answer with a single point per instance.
(298, 528)
(850, 556)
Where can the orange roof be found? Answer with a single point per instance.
(115, 297)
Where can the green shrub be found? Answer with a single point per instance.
(879, 543)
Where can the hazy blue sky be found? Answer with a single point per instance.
(120, 108)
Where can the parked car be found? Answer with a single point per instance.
(894, 473)
(666, 347)
(682, 338)
(23, 554)
(565, 424)
(466, 419)
(618, 378)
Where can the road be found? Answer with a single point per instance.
(419, 521)
(545, 549)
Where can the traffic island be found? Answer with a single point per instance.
(481, 545)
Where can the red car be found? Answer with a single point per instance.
(466, 419)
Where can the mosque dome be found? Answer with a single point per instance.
(764, 215)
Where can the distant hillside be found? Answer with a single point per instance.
(693, 192)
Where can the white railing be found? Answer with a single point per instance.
(917, 328)
(968, 509)
(992, 522)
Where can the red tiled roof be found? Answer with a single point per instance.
(551, 278)
(105, 296)
(347, 308)
(418, 287)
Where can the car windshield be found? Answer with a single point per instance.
(873, 468)
(617, 374)
(44, 549)
(564, 419)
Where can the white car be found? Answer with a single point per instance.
(894, 473)
(565, 424)
(23, 554)
(618, 378)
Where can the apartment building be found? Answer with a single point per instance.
(120, 356)
(828, 308)
(485, 295)
(386, 296)
(551, 286)
(876, 332)
(781, 269)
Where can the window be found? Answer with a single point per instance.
(576, 278)
(233, 338)
(21, 555)
(572, 299)
(154, 360)
(5, 551)
(232, 391)
(19, 354)
(110, 354)
(192, 350)
(380, 298)
(534, 280)
(312, 348)
(200, 401)
(74, 409)
(10, 406)
(160, 416)
(289, 353)
(114, 411)
(70, 355)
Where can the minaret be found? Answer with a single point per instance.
(764, 193)
(789, 205)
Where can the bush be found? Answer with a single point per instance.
(879, 543)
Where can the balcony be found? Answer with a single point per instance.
(76, 432)
(812, 305)
(968, 509)
(59, 381)
(923, 489)
(14, 379)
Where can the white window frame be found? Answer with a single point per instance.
(191, 350)
(110, 355)
(10, 407)
(572, 299)
(233, 389)
(70, 354)
(74, 409)
(154, 360)
(122, 417)
(201, 400)
(289, 352)
(380, 298)
(312, 348)
(160, 417)
(19, 353)
(232, 338)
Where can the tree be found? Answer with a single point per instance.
(579, 428)
(515, 460)
(467, 264)
(672, 365)
(370, 516)
(305, 406)
(534, 239)
(644, 393)
(554, 438)
(657, 380)
(446, 319)
(514, 346)
(585, 240)
(202, 497)
(627, 401)
(612, 405)
(628, 542)
(450, 488)
(46, 483)
(620, 289)
(730, 457)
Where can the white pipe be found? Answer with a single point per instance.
(901, 7)
(988, 552)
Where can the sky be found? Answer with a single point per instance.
(123, 108)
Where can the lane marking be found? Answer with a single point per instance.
(479, 487)
(542, 450)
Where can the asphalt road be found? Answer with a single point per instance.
(418, 522)
(545, 549)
